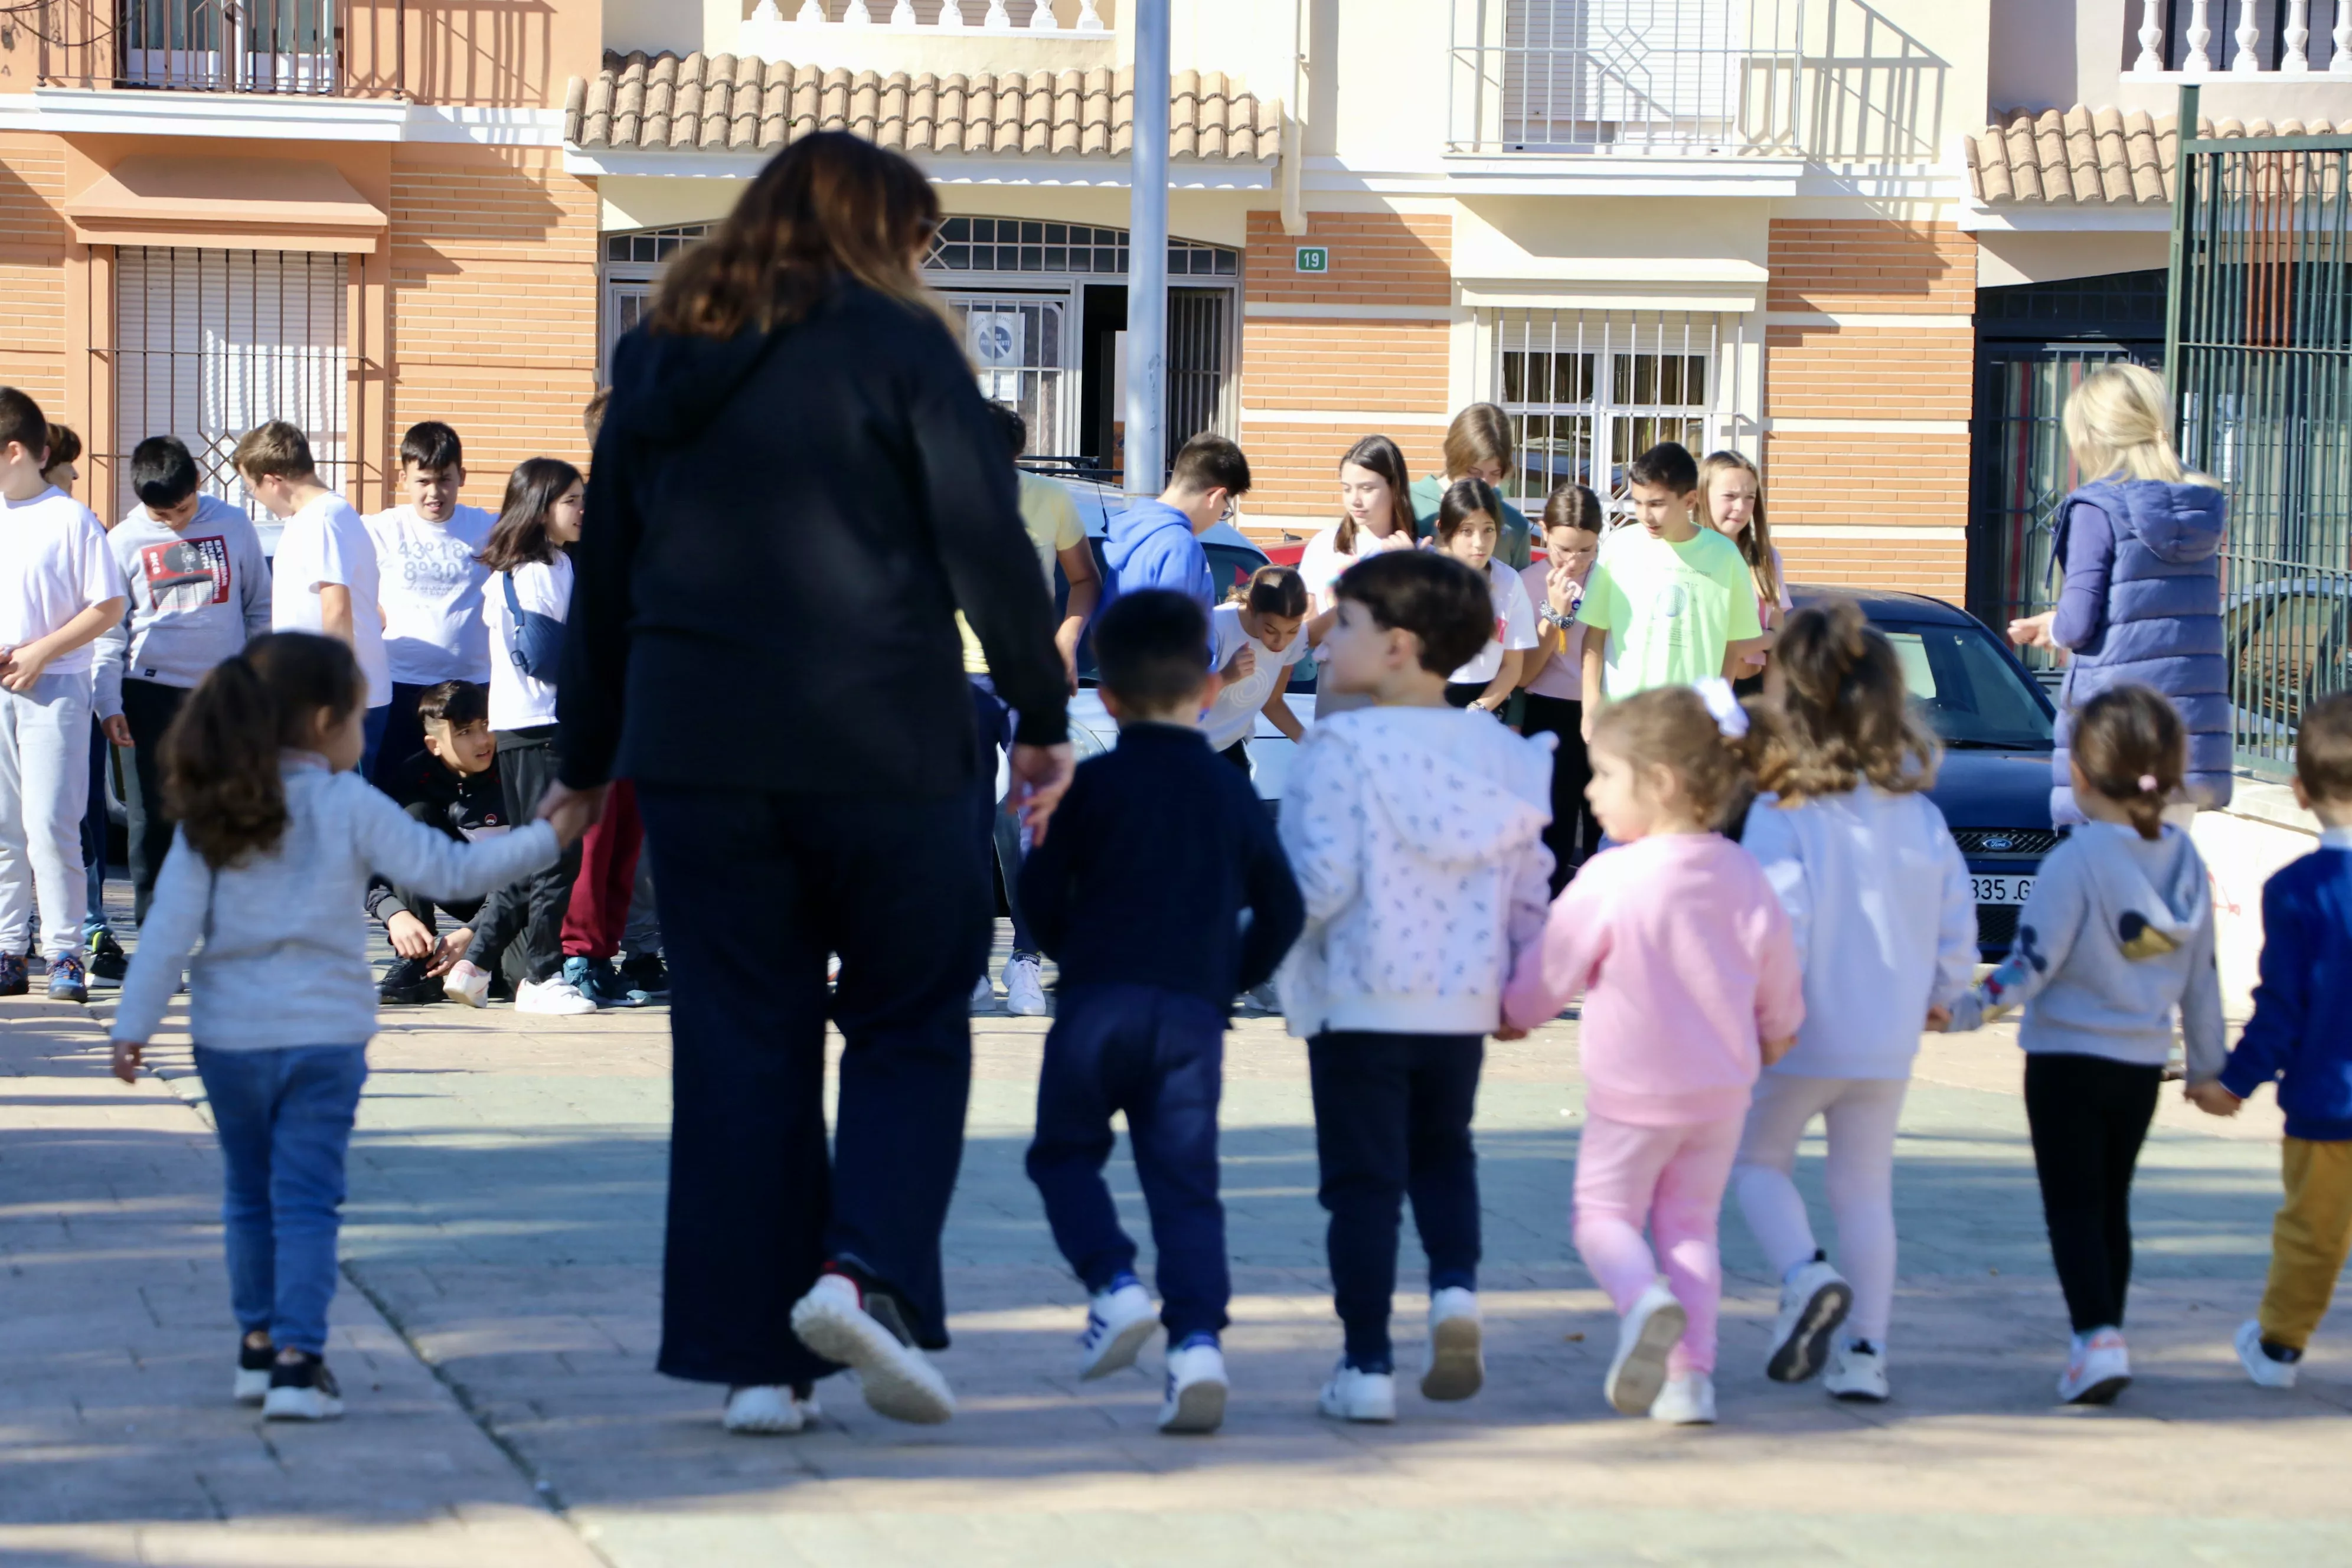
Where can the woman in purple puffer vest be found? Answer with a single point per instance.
(2140, 546)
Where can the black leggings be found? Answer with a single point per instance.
(1573, 835)
(2089, 1116)
(527, 763)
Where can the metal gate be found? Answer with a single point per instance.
(2259, 343)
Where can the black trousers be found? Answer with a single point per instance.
(1393, 1117)
(527, 765)
(404, 736)
(756, 887)
(149, 708)
(2088, 1116)
(1573, 835)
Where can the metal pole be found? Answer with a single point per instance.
(1146, 267)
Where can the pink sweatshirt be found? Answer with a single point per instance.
(1686, 960)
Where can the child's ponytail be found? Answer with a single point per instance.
(221, 779)
(2130, 747)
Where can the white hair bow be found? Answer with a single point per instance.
(1723, 703)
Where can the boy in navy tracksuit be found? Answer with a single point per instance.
(1138, 890)
(2301, 1036)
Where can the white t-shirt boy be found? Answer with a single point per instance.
(1515, 627)
(1234, 716)
(432, 594)
(326, 544)
(54, 564)
(518, 702)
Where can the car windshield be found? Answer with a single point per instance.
(1969, 689)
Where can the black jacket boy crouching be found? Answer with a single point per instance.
(1138, 891)
(462, 806)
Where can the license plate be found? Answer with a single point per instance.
(2002, 889)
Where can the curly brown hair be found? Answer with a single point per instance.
(1845, 714)
(1670, 727)
(220, 778)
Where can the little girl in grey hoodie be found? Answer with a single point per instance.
(2117, 935)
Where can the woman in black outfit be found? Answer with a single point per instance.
(796, 485)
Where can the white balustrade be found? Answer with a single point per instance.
(2151, 39)
(2296, 38)
(2250, 38)
(2194, 47)
(766, 31)
(2198, 34)
(2341, 65)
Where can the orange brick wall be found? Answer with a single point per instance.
(1377, 258)
(1837, 264)
(1867, 373)
(493, 306)
(1388, 366)
(33, 240)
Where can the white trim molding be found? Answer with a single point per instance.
(1365, 418)
(1893, 320)
(1924, 534)
(73, 110)
(946, 169)
(2064, 217)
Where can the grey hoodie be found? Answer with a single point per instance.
(2118, 934)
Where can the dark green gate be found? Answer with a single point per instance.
(2259, 355)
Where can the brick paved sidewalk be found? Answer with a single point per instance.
(507, 1188)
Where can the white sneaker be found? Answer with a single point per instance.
(765, 1411)
(1857, 1371)
(1196, 1390)
(2259, 1366)
(1650, 1329)
(897, 1380)
(1685, 1401)
(1813, 1302)
(1457, 1362)
(1354, 1396)
(2098, 1367)
(1024, 987)
(555, 998)
(1118, 1324)
(304, 1392)
(984, 994)
(466, 982)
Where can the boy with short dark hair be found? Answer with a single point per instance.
(429, 584)
(325, 578)
(1138, 891)
(58, 593)
(2300, 1037)
(1156, 543)
(1673, 601)
(451, 783)
(1415, 830)
(199, 590)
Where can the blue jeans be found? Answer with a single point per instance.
(1393, 1117)
(285, 1123)
(1159, 1055)
(372, 728)
(1002, 831)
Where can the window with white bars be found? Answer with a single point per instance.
(1589, 391)
(209, 343)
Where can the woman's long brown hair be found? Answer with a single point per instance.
(220, 777)
(519, 536)
(1381, 456)
(829, 207)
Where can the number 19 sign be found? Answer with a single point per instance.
(1313, 258)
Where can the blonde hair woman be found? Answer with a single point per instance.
(1731, 503)
(2139, 541)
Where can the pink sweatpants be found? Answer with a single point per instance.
(1672, 1179)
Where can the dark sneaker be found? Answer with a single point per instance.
(597, 980)
(254, 1365)
(647, 977)
(108, 962)
(67, 982)
(302, 1390)
(14, 979)
(405, 984)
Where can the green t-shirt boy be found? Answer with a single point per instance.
(1674, 599)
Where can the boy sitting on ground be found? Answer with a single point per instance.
(452, 784)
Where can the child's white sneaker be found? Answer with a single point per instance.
(1457, 1361)
(552, 998)
(766, 1410)
(1120, 1320)
(1685, 1401)
(897, 1380)
(1024, 987)
(2258, 1363)
(1813, 1302)
(2098, 1367)
(1195, 1401)
(1857, 1370)
(1353, 1394)
(466, 982)
(1650, 1329)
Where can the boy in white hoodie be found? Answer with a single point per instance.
(1415, 831)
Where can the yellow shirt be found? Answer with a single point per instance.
(1051, 519)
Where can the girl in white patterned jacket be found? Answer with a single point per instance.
(1415, 830)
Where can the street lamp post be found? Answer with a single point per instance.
(1147, 267)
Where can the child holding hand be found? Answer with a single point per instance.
(2117, 937)
(1692, 988)
(279, 833)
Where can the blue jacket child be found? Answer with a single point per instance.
(2301, 1033)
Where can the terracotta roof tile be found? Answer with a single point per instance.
(2093, 157)
(724, 104)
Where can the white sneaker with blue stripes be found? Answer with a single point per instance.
(1119, 1322)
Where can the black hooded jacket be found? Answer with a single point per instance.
(779, 530)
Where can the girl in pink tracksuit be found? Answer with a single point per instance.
(1691, 986)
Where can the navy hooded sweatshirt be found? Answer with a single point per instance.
(2301, 1033)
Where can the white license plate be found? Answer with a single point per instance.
(2002, 889)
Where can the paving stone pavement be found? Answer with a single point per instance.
(496, 1333)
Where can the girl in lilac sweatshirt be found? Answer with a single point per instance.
(1691, 985)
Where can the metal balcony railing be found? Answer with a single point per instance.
(326, 48)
